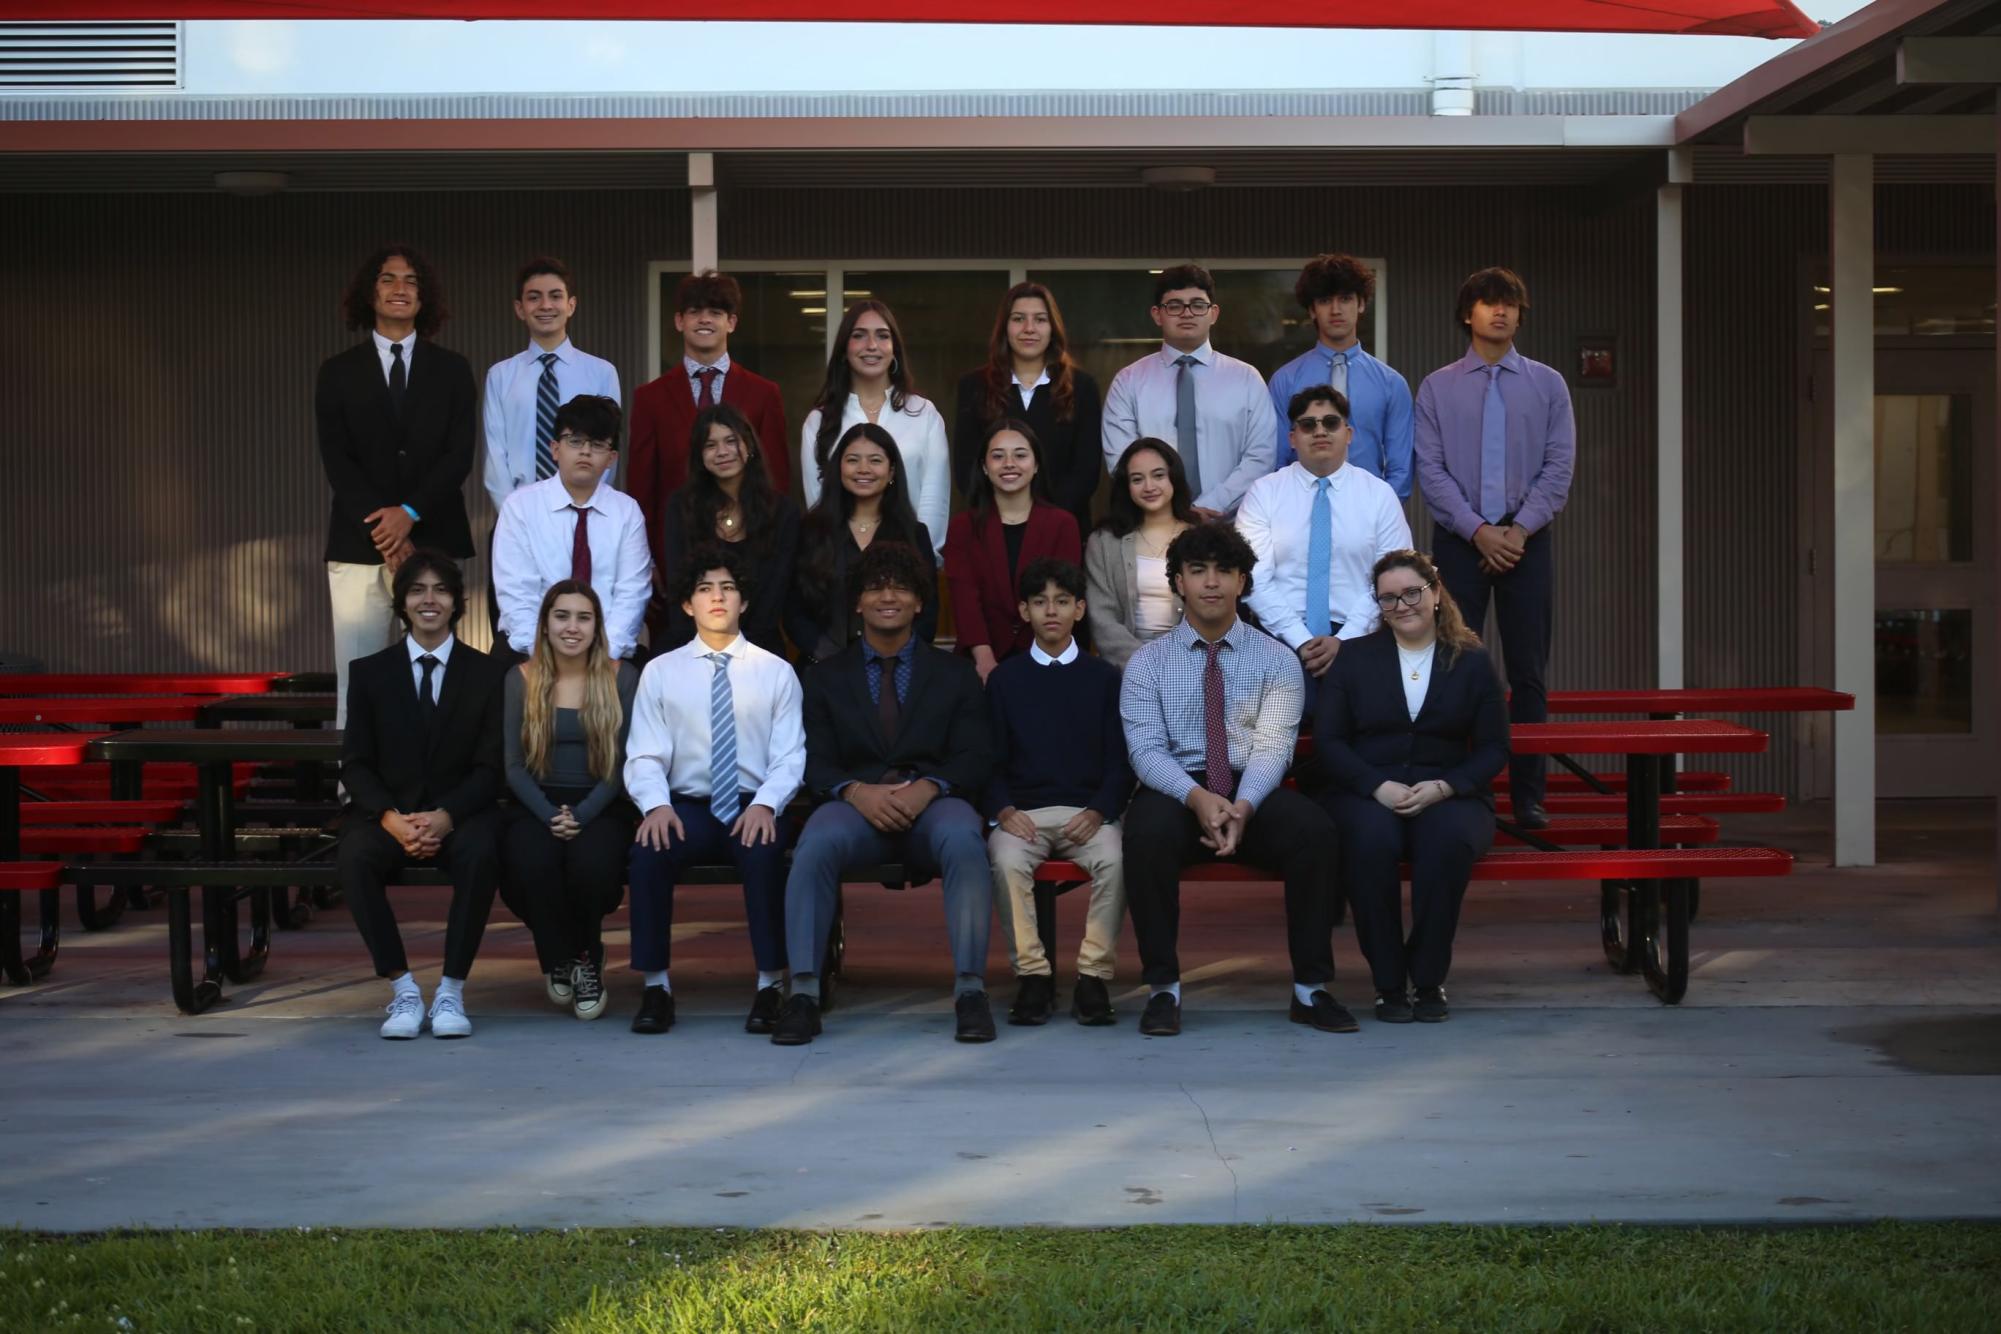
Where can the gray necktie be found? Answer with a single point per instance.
(1337, 374)
(1184, 423)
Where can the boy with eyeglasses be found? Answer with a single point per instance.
(1317, 525)
(574, 525)
(1215, 410)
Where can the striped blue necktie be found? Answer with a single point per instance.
(722, 742)
(545, 418)
(1319, 561)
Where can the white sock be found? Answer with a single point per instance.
(765, 979)
(408, 982)
(658, 979)
(1303, 991)
(454, 987)
(1173, 989)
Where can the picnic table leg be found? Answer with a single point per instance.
(1664, 959)
(190, 996)
(837, 951)
(96, 918)
(1671, 782)
(128, 783)
(52, 934)
(1622, 904)
(12, 966)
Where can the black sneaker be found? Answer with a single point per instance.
(798, 1022)
(656, 1011)
(1393, 1007)
(587, 997)
(1431, 1007)
(1034, 1001)
(764, 1008)
(976, 1017)
(1325, 1014)
(1090, 1003)
(1162, 1018)
(1532, 816)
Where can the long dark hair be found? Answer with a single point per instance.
(1122, 516)
(1056, 361)
(826, 524)
(980, 494)
(834, 390)
(702, 499)
(357, 304)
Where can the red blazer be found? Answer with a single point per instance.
(984, 596)
(663, 413)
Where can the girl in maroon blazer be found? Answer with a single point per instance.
(1010, 524)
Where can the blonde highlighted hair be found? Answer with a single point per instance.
(602, 714)
(1453, 632)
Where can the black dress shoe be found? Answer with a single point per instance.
(656, 1011)
(1393, 1007)
(764, 1010)
(798, 1022)
(1532, 816)
(1162, 1017)
(976, 1017)
(1325, 1014)
(1034, 1001)
(1431, 1007)
(1090, 1003)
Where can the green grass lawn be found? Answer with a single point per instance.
(1881, 1277)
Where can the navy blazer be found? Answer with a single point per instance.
(375, 459)
(943, 731)
(1364, 736)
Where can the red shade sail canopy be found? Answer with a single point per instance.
(1730, 18)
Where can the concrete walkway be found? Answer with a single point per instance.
(1838, 1057)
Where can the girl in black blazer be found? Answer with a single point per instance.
(1410, 729)
(730, 498)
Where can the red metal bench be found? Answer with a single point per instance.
(142, 811)
(16, 879)
(1687, 780)
(1672, 803)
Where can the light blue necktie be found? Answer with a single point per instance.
(722, 742)
(545, 417)
(1319, 556)
(1493, 451)
(1184, 424)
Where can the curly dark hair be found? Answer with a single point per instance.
(424, 560)
(889, 564)
(1334, 275)
(1216, 543)
(706, 556)
(1180, 276)
(1494, 286)
(709, 290)
(358, 304)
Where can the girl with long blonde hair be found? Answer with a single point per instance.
(567, 710)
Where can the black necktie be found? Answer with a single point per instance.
(427, 702)
(398, 378)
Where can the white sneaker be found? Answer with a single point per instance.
(406, 1016)
(448, 1018)
(558, 980)
(587, 988)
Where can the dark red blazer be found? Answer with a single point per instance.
(984, 596)
(663, 413)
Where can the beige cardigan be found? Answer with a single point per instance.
(1111, 573)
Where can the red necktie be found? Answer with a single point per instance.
(1216, 775)
(707, 398)
(580, 546)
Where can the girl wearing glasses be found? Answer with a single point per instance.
(1410, 728)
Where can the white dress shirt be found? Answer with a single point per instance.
(1235, 427)
(531, 550)
(1027, 391)
(511, 389)
(408, 342)
(1063, 659)
(919, 433)
(1276, 519)
(667, 751)
(443, 653)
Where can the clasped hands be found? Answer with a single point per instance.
(1500, 549)
(420, 834)
(1408, 801)
(891, 807)
(1222, 820)
(1078, 830)
(389, 529)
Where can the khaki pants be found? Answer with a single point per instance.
(1014, 861)
(364, 620)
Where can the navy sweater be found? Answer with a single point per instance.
(1058, 740)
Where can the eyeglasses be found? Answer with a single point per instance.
(577, 442)
(1410, 597)
(1188, 307)
(1331, 423)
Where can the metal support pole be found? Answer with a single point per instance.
(1852, 246)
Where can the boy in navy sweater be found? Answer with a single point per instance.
(1061, 781)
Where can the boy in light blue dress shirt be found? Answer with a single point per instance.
(1335, 290)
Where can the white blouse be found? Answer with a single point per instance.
(919, 433)
(1416, 674)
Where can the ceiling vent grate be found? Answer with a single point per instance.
(89, 55)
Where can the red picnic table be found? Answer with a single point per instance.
(139, 683)
(115, 710)
(1703, 699)
(20, 750)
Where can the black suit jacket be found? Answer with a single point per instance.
(1364, 736)
(1072, 453)
(768, 580)
(389, 762)
(943, 732)
(373, 459)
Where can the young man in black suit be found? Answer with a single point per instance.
(897, 748)
(421, 761)
(395, 415)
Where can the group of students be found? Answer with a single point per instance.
(976, 764)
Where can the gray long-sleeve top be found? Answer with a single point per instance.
(569, 753)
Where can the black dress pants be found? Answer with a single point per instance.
(563, 889)
(1523, 598)
(1441, 843)
(1287, 835)
(368, 860)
